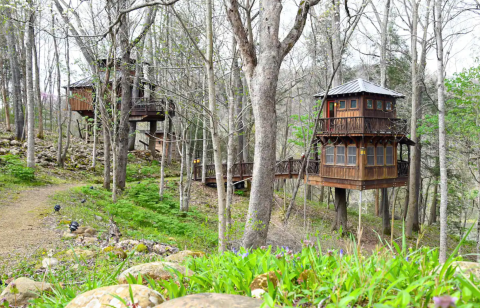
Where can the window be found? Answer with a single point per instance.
(369, 103)
(352, 155)
(379, 105)
(329, 155)
(389, 155)
(380, 150)
(353, 103)
(370, 156)
(340, 155)
(342, 105)
(388, 106)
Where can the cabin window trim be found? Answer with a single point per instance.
(356, 103)
(352, 154)
(380, 150)
(372, 101)
(344, 104)
(371, 155)
(388, 106)
(387, 163)
(381, 104)
(340, 155)
(329, 155)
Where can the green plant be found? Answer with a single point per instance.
(12, 165)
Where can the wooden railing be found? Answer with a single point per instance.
(362, 125)
(403, 168)
(285, 168)
(144, 106)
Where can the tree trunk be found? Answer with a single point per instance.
(377, 202)
(214, 128)
(30, 92)
(59, 98)
(3, 88)
(340, 222)
(433, 208)
(151, 138)
(69, 123)
(132, 129)
(162, 160)
(385, 212)
(36, 58)
(441, 131)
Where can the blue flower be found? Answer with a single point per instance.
(234, 250)
(341, 253)
(244, 255)
(407, 259)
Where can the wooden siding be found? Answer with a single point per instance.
(81, 99)
(361, 110)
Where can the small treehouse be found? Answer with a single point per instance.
(145, 107)
(363, 143)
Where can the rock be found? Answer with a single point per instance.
(80, 253)
(15, 143)
(14, 152)
(3, 151)
(212, 300)
(155, 270)
(467, 268)
(183, 255)
(103, 297)
(258, 293)
(127, 244)
(119, 252)
(99, 218)
(49, 262)
(141, 248)
(67, 235)
(86, 241)
(27, 290)
(261, 281)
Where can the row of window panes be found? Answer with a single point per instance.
(343, 104)
(379, 105)
(340, 155)
(379, 157)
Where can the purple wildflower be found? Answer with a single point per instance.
(330, 252)
(307, 243)
(263, 247)
(445, 301)
(3, 300)
(341, 253)
(279, 256)
(244, 255)
(407, 259)
(234, 250)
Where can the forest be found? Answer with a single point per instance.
(239, 153)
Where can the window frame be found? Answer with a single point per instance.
(393, 156)
(373, 105)
(374, 156)
(377, 156)
(356, 104)
(337, 155)
(340, 104)
(352, 146)
(326, 154)
(386, 106)
(376, 105)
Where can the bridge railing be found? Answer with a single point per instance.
(286, 168)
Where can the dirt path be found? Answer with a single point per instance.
(23, 227)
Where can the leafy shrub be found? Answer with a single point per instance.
(12, 165)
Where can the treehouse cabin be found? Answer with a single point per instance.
(363, 143)
(146, 107)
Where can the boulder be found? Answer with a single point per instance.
(183, 255)
(15, 143)
(80, 253)
(103, 297)
(212, 300)
(467, 268)
(154, 270)
(25, 289)
(3, 151)
(67, 235)
(261, 281)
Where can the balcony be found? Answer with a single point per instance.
(144, 106)
(362, 125)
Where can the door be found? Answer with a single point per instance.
(330, 114)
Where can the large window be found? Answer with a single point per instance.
(380, 153)
(369, 103)
(389, 155)
(340, 155)
(370, 156)
(353, 104)
(379, 105)
(352, 155)
(329, 155)
(388, 106)
(342, 104)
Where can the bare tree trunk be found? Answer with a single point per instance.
(385, 212)
(69, 123)
(340, 222)
(377, 202)
(3, 89)
(16, 79)
(151, 138)
(412, 203)
(433, 207)
(214, 128)
(441, 131)
(59, 98)
(30, 92)
(36, 57)
(162, 160)
(230, 159)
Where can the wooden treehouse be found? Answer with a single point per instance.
(144, 108)
(362, 140)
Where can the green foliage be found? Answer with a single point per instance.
(12, 165)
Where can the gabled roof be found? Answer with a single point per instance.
(360, 86)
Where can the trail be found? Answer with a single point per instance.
(23, 224)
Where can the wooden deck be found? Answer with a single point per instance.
(361, 126)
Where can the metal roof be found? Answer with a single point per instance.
(360, 86)
(88, 82)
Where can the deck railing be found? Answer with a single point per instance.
(362, 125)
(143, 105)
